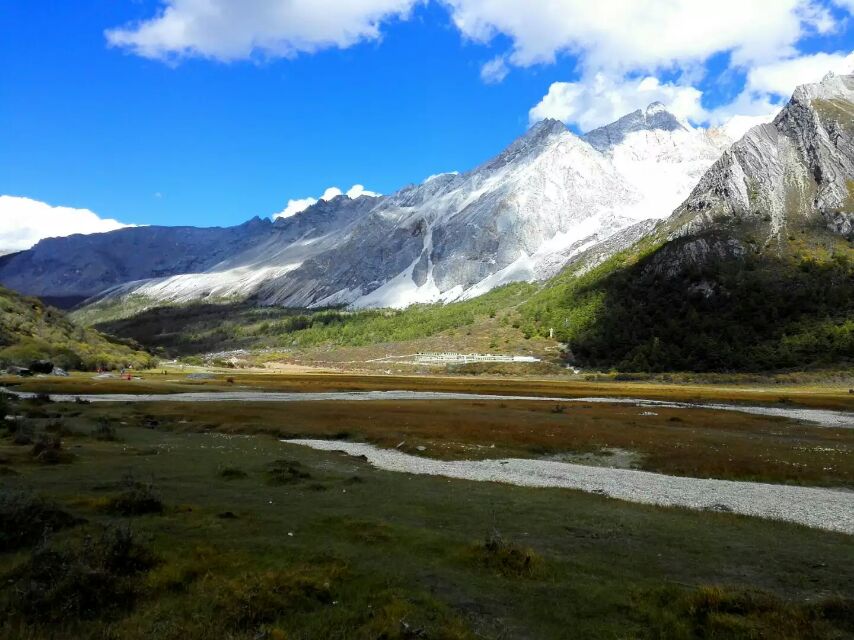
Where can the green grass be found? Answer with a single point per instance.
(376, 554)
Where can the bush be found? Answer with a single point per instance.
(137, 499)
(286, 472)
(105, 431)
(25, 520)
(232, 473)
(48, 450)
(88, 580)
(506, 558)
(41, 366)
(732, 614)
(58, 428)
(256, 599)
(23, 433)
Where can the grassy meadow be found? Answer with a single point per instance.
(170, 520)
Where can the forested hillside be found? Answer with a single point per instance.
(31, 330)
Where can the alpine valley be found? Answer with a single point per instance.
(643, 244)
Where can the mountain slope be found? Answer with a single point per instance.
(520, 216)
(73, 268)
(755, 270)
(30, 330)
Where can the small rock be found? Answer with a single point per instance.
(717, 506)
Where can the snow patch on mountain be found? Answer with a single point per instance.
(547, 198)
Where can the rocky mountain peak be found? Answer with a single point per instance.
(655, 117)
(532, 141)
(832, 86)
(793, 173)
(546, 127)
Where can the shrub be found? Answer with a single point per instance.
(137, 499)
(394, 615)
(232, 473)
(41, 366)
(25, 519)
(731, 614)
(506, 558)
(23, 433)
(58, 428)
(48, 450)
(257, 599)
(85, 581)
(286, 472)
(105, 431)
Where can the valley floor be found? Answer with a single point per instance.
(225, 531)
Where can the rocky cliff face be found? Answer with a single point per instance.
(797, 171)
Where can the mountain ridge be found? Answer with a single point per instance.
(520, 215)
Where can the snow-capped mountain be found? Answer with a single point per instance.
(659, 156)
(520, 216)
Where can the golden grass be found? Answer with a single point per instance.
(696, 442)
(830, 396)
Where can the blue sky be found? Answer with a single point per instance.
(109, 106)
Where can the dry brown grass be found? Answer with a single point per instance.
(697, 442)
(830, 396)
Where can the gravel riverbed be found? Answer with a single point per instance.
(828, 509)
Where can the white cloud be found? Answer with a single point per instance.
(736, 126)
(781, 77)
(593, 102)
(621, 47)
(769, 86)
(238, 29)
(294, 207)
(495, 70)
(631, 35)
(358, 190)
(602, 98)
(301, 204)
(23, 222)
(614, 34)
